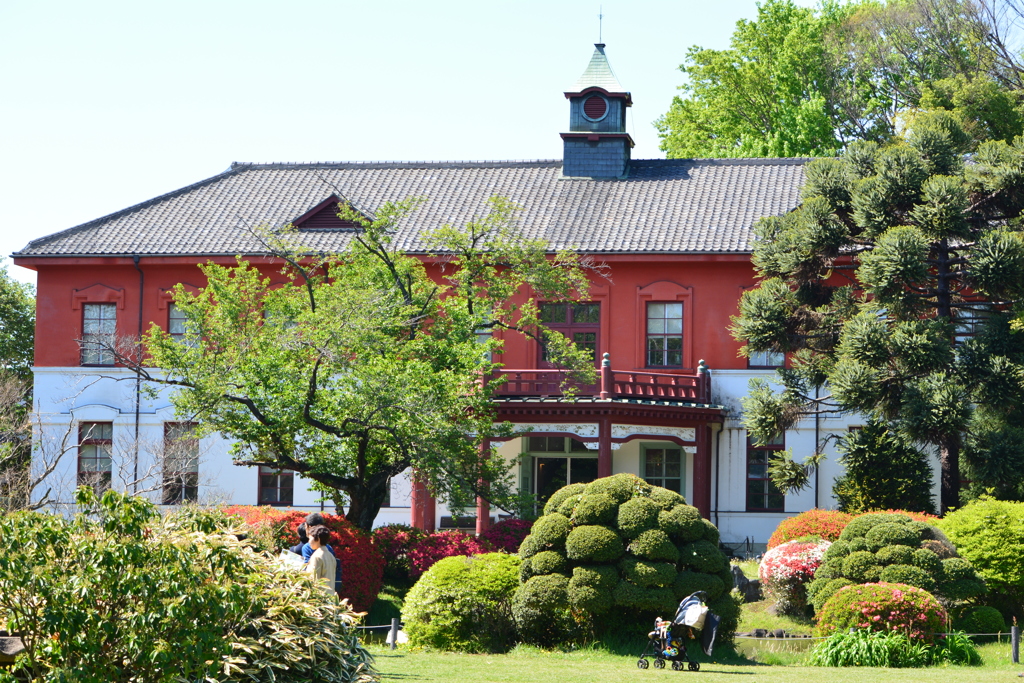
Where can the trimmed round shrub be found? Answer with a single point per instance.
(464, 604)
(819, 592)
(507, 535)
(637, 516)
(439, 545)
(990, 534)
(654, 551)
(982, 619)
(785, 571)
(824, 524)
(561, 495)
(884, 607)
(681, 523)
(540, 608)
(362, 564)
(548, 562)
(895, 548)
(593, 544)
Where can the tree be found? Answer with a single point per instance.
(361, 365)
(893, 285)
(807, 82)
(17, 326)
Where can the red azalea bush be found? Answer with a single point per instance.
(785, 571)
(362, 565)
(884, 607)
(507, 535)
(439, 545)
(394, 541)
(825, 524)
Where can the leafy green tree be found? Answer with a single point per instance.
(801, 81)
(17, 326)
(893, 286)
(361, 365)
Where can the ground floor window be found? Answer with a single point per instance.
(552, 462)
(95, 443)
(663, 466)
(181, 463)
(276, 486)
(762, 494)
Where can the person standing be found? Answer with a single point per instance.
(322, 564)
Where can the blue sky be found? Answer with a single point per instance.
(105, 104)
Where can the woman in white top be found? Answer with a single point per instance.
(322, 564)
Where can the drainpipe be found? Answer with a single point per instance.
(718, 468)
(138, 380)
(817, 429)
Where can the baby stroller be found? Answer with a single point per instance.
(668, 641)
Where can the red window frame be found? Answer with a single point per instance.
(568, 317)
(276, 487)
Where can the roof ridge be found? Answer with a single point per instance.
(131, 209)
(299, 165)
(728, 161)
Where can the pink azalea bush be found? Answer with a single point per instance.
(439, 545)
(884, 607)
(507, 535)
(785, 571)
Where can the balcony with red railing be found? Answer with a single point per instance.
(611, 384)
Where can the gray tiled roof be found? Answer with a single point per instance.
(664, 205)
(598, 73)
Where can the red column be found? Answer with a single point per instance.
(702, 472)
(483, 508)
(604, 451)
(423, 506)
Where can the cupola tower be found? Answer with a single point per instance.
(597, 144)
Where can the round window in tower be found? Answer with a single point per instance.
(595, 107)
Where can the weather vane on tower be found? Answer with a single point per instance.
(600, 19)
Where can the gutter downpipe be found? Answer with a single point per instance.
(817, 430)
(718, 468)
(138, 380)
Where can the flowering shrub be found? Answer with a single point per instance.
(436, 546)
(884, 607)
(362, 565)
(785, 571)
(394, 541)
(916, 516)
(507, 535)
(825, 524)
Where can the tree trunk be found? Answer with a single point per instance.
(365, 501)
(949, 462)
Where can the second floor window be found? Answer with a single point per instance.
(580, 322)
(664, 335)
(99, 323)
(181, 463)
(176, 323)
(95, 442)
(766, 359)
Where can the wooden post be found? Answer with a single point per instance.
(607, 381)
(1015, 644)
(604, 450)
(702, 471)
(423, 512)
(393, 634)
(483, 508)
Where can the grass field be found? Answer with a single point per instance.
(526, 664)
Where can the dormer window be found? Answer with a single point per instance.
(595, 108)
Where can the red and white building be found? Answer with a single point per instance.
(675, 233)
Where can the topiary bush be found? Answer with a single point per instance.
(990, 534)
(823, 524)
(439, 545)
(362, 564)
(893, 548)
(612, 554)
(507, 535)
(120, 593)
(464, 604)
(884, 607)
(785, 571)
(980, 619)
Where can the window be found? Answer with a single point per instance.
(762, 494)
(664, 335)
(99, 322)
(579, 322)
(553, 462)
(95, 441)
(970, 321)
(276, 486)
(176, 320)
(181, 463)
(766, 359)
(664, 467)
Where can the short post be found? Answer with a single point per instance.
(1015, 644)
(606, 376)
(393, 634)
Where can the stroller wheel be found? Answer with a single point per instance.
(694, 666)
(677, 666)
(659, 663)
(642, 664)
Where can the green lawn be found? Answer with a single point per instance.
(527, 664)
